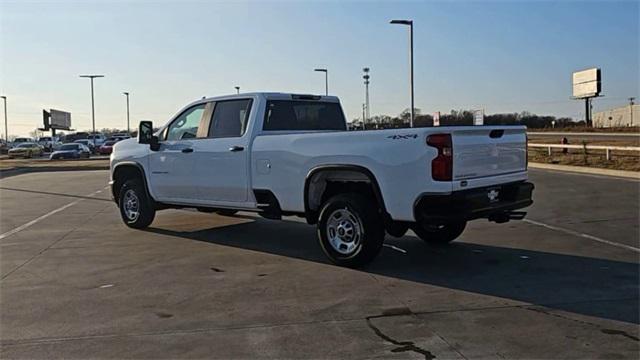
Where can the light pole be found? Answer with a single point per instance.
(128, 129)
(326, 79)
(93, 109)
(366, 92)
(237, 89)
(6, 128)
(410, 24)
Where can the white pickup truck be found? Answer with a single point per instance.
(290, 155)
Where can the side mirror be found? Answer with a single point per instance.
(145, 135)
(145, 132)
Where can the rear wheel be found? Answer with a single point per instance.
(439, 234)
(136, 208)
(350, 230)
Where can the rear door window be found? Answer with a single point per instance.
(303, 115)
(230, 118)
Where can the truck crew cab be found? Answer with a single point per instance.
(285, 154)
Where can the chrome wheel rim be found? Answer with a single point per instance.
(131, 205)
(344, 231)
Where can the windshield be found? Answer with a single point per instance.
(45, 139)
(109, 143)
(69, 147)
(25, 145)
(82, 141)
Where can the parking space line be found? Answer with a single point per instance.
(587, 236)
(38, 219)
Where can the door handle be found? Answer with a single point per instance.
(187, 150)
(236, 148)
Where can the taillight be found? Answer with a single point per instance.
(526, 153)
(442, 165)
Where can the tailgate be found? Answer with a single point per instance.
(489, 151)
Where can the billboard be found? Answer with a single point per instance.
(436, 118)
(478, 117)
(586, 83)
(60, 120)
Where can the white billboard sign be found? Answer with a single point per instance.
(436, 118)
(586, 83)
(60, 119)
(478, 117)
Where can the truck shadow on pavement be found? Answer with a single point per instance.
(583, 285)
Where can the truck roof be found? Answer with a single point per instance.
(273, 96)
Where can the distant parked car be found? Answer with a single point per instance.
(88, 143)
(99, 139)
(107, 147)
(48, 142)
(26, 149)
(71, 151)
(20, 140)
(4, 148)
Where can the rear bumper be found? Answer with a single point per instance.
(493, 202)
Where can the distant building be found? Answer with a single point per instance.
(618, 117)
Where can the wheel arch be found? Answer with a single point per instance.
(318, 177)
(126, 170)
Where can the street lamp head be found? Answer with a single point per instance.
(322, 70)
(126, 93)
(91, 76)
(3, 97)
(402, 22)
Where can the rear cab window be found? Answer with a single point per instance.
(298, 115)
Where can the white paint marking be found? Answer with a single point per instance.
(36, 220)
(106, 286)
(587, 236)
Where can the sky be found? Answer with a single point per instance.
(500, 56)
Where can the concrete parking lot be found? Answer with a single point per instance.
(76, 283)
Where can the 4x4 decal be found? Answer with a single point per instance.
(408, 136)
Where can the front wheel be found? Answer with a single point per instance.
(136, 208)
(350, 230)
(439, 234)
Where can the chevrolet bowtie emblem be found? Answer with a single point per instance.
(493, 195)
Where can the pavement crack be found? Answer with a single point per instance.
(619, 332)
(403, 346)
(546, 312)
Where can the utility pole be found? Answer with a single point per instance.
(93, 109)
(630, 110)
(363, 113)
(6, 127)
(128, 128)
(366, 92)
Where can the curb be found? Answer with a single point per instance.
(24, 170)
(587, 170)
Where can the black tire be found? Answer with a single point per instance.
(397, 229)
(356, 212)
(134, 190)
(226, 212)
(440, 234)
